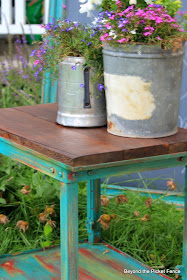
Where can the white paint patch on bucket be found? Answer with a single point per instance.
(129, 97)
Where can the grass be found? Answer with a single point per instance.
(156, 242)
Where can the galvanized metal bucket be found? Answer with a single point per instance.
(142, 86)
(81, 104)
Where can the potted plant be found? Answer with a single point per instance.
(143, 48)
(73, 53)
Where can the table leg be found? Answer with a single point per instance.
(93, 210)
(69, 231)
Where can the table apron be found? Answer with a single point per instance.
(64, 173)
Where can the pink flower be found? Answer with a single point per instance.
(102, 38)
(122, 40)
(174, 25)
(181, 13)
(147, 33)
(118, 2)
(140, 13)
(149, 28)
(108, 25)
(129, 9)
(112, 17)
(158, 20)
(131, 14)
(38, 53)
(158, 38)
(120, 14)
(36, 62)
(64, 6)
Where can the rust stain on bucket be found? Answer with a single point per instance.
(110, 125)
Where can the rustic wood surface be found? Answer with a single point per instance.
(35, 127)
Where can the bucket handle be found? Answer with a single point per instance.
(87, 104)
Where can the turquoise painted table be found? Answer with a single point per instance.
(31, 136)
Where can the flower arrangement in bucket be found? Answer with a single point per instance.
(73, 55)
(143, 48)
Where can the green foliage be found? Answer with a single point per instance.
(172, 6)
(110, 5)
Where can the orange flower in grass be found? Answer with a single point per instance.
(42, 217)
(26, 190)
(146, 218)
(22, 225)
(49, 210)
(148, 202)
(171, 185)
(136, 213)
(104, 221)
(3, 219)
(113, 216)
(121, 199)
(51, 223)
(104, 200)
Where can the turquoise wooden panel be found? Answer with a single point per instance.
(93, 210)
(57, 169)
(96, 262)
(35, 160)
(69, 231)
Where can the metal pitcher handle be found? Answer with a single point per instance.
(87, 104)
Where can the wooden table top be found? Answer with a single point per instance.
(35, 127)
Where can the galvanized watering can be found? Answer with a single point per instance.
(81, 104)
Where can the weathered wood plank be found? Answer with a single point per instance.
(35, 127)
(69, 231)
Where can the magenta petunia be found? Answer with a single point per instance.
(122, 40)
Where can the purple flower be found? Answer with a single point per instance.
(109, 14)
(93, 34)
(69, 28)
(76, 24)
(48, 26)
(73, 67)
(89, 44)
(36, 74)
(101, 87)
(82, 85)
(55, 27)
(33, 53)
(157, 6)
